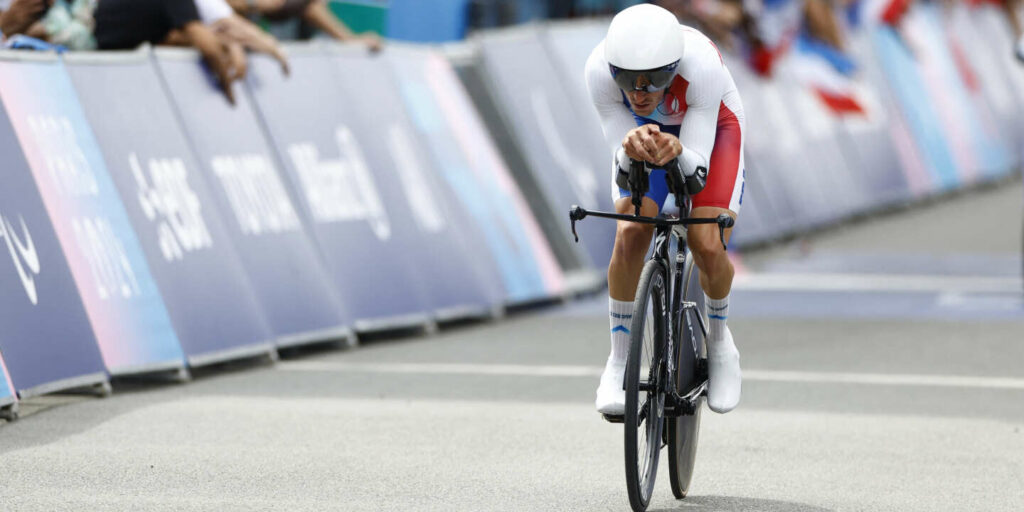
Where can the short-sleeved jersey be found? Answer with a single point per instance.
(700, 96)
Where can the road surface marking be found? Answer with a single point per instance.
(773, 281)
(885, 379)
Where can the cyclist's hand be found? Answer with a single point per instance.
(669, 147)
(641, 144)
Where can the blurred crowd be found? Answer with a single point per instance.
(764, 29)
(221, 30)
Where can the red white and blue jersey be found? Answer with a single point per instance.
(701, 106)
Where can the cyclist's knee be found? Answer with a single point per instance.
(708, 251)
(632, 240)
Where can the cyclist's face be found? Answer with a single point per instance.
(643, 103)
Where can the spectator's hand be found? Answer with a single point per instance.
(215, 53)
(372, 41)
(277, 54)
(21, 15)
(242, 31)
(38, 31)
(238, 60)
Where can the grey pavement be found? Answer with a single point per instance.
(883, 366)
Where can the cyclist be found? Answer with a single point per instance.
(664, 96)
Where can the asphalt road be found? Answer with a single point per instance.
(883, 371)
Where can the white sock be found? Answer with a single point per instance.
(620, 316)
(717, 311)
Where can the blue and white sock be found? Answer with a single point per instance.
(718, 312)
(620, 316)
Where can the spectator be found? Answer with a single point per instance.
(822, 23)
(233, 28)
(18, 16)
(1013, 8)
(125, 24)
(68, 24)
(716, 18)
(314, 12)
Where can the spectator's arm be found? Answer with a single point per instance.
(247, 7)
(821, 22)
(1012, 8)
(319, 15)
(21, 14)
(240, 30)
(214, 52)
(38, 31)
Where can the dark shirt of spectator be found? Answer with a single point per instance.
(125, 24)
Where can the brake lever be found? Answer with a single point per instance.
(576, 213)
(724, 221)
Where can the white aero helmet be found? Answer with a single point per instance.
(643, 47)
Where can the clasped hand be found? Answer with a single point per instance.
(649, 144)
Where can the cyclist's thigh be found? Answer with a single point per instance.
(726, 173)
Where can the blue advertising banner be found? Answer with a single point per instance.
(462, 280)
(350, 210)
(568, 159)
(905, 82)
(124, 306)
(992, 31)
(976, 145)
(46, 340)
(465, 157)
(776, 170)
(816, 130)
(208, 296)
(277, 254)
(970, 35)
(883, 145)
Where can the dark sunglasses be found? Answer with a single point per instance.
(648, 80)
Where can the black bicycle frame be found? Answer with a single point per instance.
(675, 404)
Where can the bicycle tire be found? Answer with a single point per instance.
(683, 431)
(647, 342)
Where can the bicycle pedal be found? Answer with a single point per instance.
(614, 418)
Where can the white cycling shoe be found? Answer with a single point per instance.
(611, 398)
(724, 376)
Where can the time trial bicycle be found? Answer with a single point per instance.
(666, 376)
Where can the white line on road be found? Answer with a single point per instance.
(772, 281)
(951, 381)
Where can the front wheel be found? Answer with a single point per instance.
(683, 430)
(644, 382)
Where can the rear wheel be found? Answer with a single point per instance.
(644, 381)
(683, 430)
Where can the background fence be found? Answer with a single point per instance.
(152, 227)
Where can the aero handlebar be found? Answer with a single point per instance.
(724, 221)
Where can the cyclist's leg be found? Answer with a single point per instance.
(716, 271)
(632, 241)
(723, 193)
